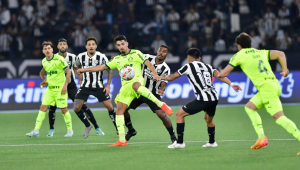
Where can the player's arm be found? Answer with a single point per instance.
(274, 54)
(162, 88)
(151, 67)
(109, 78)
(68, 78)
(42, 75)
(227, 81)
(77, 66)
(170, 77)
(225, 72)
(92, 69)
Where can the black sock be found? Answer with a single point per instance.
(90, 115)
(211, 134)
(52, 116)
(82, 117)
(112, 115)
(128, 124)
(171, 131)
(180, 131)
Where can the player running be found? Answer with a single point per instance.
(92, 83)
(255, 64)
(200, 77)
(56, 94)
(130, 89)
(72, 90)
(156, 88)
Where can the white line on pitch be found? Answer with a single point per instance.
(134, 143)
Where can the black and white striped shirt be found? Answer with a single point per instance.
(200, 77)
(91, 79)
(71, 60)
(161, 69)
(5, 42)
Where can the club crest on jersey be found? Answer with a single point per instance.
(69, 63)
(158, 71)
(130, 59)
(96, 61)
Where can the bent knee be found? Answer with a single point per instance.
(136, 86)
(76, 108)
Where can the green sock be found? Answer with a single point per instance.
(68, 120)
(256, 122)
(121, 127)
(289, 126)
(39, 120)
(146, 93)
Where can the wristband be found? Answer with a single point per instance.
(232, 84)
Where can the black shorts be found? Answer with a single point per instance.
(137, 102)
(198, 105)
(83, 94)
(72, 90)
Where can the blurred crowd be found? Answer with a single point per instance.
(210, 25)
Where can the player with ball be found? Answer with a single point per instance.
(129, 64)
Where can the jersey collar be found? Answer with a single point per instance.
(50, 59)
(127, 53)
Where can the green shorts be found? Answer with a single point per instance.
(51, 97)
(268, 97)
(127, 94)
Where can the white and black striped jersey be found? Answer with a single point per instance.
(71, 60)
(91, 79)
(200, 77)
(160, 69)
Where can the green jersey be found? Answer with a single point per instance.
(55, 71)
(134, 59)
(255, 64)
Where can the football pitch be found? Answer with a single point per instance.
(148, 149)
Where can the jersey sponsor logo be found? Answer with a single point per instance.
(128, 65)
(49, 73)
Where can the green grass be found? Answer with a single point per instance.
(148, 150)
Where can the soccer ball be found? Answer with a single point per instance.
(127, 73)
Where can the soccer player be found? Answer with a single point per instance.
(200, 77)
(130, 89)
(92, 83)
(72, 90)
(156, 88)
(255, 64)
(56, 94)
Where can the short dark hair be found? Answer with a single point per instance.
(47, 43)
(244, 40)
(194, 53)
(120, 38)
(62, 40)
(165, 46)
(90, 38)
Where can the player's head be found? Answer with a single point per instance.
(121, 43)
(243, 41)
(62, 45)
(91, 45)
(47, 48)
(193, 54)
(162, 52)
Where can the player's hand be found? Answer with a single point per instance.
(156, 77)
(44, 83)
(161, 92)
(285, 73)
(80, 70)
(106, 90)
(236, 87)
(64, 90)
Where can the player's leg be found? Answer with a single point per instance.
(128, 123)
(167, 123)
(146, 93)
(51, 116)
(62, 103)
(210, 111)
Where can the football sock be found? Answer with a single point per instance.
(171, 131)
(83, 118)
(90, 115)
(128, 124)
(256, 122)
(112, 115)
(211, 134)
(39, 120)
(68, 120)
(121, 127)
(146, 93)
(180, 131)
(52, 115)
(289, 126)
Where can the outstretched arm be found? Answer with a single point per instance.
(225, 71)
(151, 67)
(42, 75)
(274, 54)
(170, 77)
(68, 77)
(227, 81)
(92, 69)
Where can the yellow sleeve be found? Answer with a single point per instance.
(112, 64)
(234, 61)
(141, 57)
(266, 53)
(63, 62)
